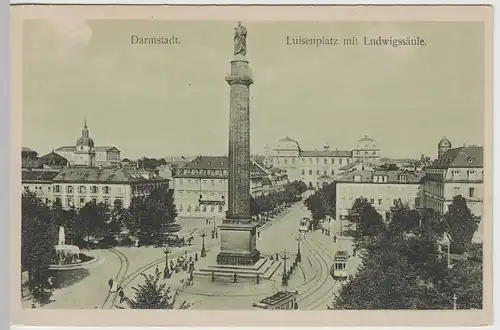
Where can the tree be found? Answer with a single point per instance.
(255, 208)
(461, 223)
(152, 216)
(152, 295)
(38, 240)
(94, 218)
(322, 203)
(368, 221)
(403, 217)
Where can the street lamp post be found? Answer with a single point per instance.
(454, 301)
(299, 256)
(285, 256)
(166, 272)
(203, 251)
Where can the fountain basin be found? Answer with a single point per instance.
(83, 261)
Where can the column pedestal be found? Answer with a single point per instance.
(238, 244)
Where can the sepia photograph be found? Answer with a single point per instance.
(246, 165)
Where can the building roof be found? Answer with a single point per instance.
(287, 143)
(325, 153)
(349, 166)
(215, 163)
(392, 177)
(471, 156)
(52, 159)
(102, 175)
(38, 175)
(97, 148)
(25, 149)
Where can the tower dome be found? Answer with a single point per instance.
(85, 140)
(444, 142)
(443, 146)
(287, 144)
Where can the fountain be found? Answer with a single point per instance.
(69, 256)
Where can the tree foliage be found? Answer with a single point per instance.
(38, 240)
(152, 216)
(153, 295)
(291, 193)
(368, 221)
(322, 203)
(461, 223)
(403, 269)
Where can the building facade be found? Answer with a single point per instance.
(381, 188)
(76, 186)
(315, 167)
(459, 171)
(201, 186)
(85, 153)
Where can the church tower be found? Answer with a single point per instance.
(85, 149)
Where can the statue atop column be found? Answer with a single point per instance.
(240, 40)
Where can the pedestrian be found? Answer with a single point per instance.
(121, 295)
(110, 282)
(157, 270)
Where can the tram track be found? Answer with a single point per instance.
(120, 275)
(323, 289)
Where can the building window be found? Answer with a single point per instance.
(212, 182)
(181, 181)
(106, 201)
(303, 171)
(333, 172)
(325, 160)
(69, 189)
(82, 189)
(93, 189)
(204, 181)
(340, 161)
(286, 161)
(58, 200)
(374, 152)
(220, 209)
(471, 192)
(189, 208)
(70, 201)
(456, 191)
(212, 208)
(372, 201)
(310, 172)
(379, 201)
(107, 189)
(333, 160)
(347, 160)
(394, 201)
(189, 181)
(180, 207)
(82, 201)
(310, 161)
(221, 181)
(317, 160)
(204, 209)
(317, 172)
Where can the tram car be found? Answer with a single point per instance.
(305, 223)
(281, 300)
(339, 269)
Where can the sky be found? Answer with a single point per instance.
(161, 100)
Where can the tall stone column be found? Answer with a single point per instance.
(239, 81)
(238, 232)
